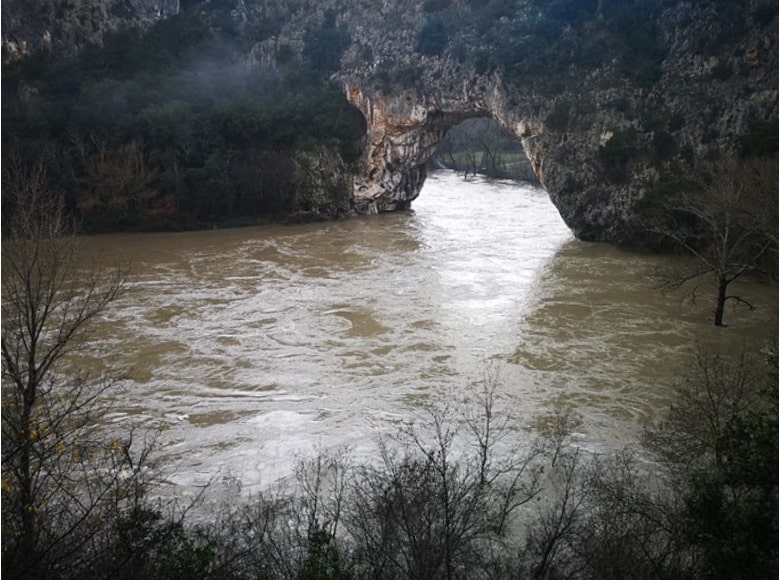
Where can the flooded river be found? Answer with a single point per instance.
(247, 347)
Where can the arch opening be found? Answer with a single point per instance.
(482, 146)
(405, 132)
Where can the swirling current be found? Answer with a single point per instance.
(246, 348)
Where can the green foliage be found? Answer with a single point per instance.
(751, 442)
(436, 5)
(723, 71)
(184, 558)
(404, 76)
(323, 560)
(675, 122)
(728, 26)
(663, 145)
(720, 445)
(663, 191)
(733, 512)
(212, 138)
(481, 62)
(324, 46)
(573, 12)
(643, 53)
(765, 13)
(560, 116)
(710, 135)
(568, 37)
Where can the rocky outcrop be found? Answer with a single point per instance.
(323, 186)
(605, 146)
(614, 106)
(402, 135)
(615, 114)
(62, 26)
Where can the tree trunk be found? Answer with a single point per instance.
(721, 297)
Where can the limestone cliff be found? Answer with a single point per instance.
(603, 140)
(62, 26)
(614, 101)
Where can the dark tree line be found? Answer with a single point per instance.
(171, 128)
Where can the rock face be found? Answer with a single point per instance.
(614, 113)
(402, 135)
(614, 101)
(62, 26)
(604, 146)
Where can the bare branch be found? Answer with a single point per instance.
(730, 235)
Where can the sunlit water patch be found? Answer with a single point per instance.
(247, 347)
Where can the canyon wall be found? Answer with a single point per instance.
(607, 142)
(615, 102)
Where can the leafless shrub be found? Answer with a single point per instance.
(632, 527)
(706, 404)
(441, 502)
(69, 482)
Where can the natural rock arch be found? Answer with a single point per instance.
(609, 136)
(401, 138)
(403, 133)
(615, 103)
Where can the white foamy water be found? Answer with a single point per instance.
(249, 347)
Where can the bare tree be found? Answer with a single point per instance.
(442, 501)
(558, 523)
(482, 146)
(728, 235)
(65, 479)
(631, 525)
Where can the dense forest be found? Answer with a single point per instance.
(171, 128)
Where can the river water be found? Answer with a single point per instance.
(249, 347)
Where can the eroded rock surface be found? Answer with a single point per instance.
(607, 133)
(613, 107)
(604, 144)
(63, 26)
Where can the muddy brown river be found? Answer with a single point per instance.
(249, 347)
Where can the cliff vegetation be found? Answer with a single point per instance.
(170, 128)
(182, 114)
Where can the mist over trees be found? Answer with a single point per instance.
(172, 128)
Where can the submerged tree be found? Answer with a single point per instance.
(728, 235)
(65, 480)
